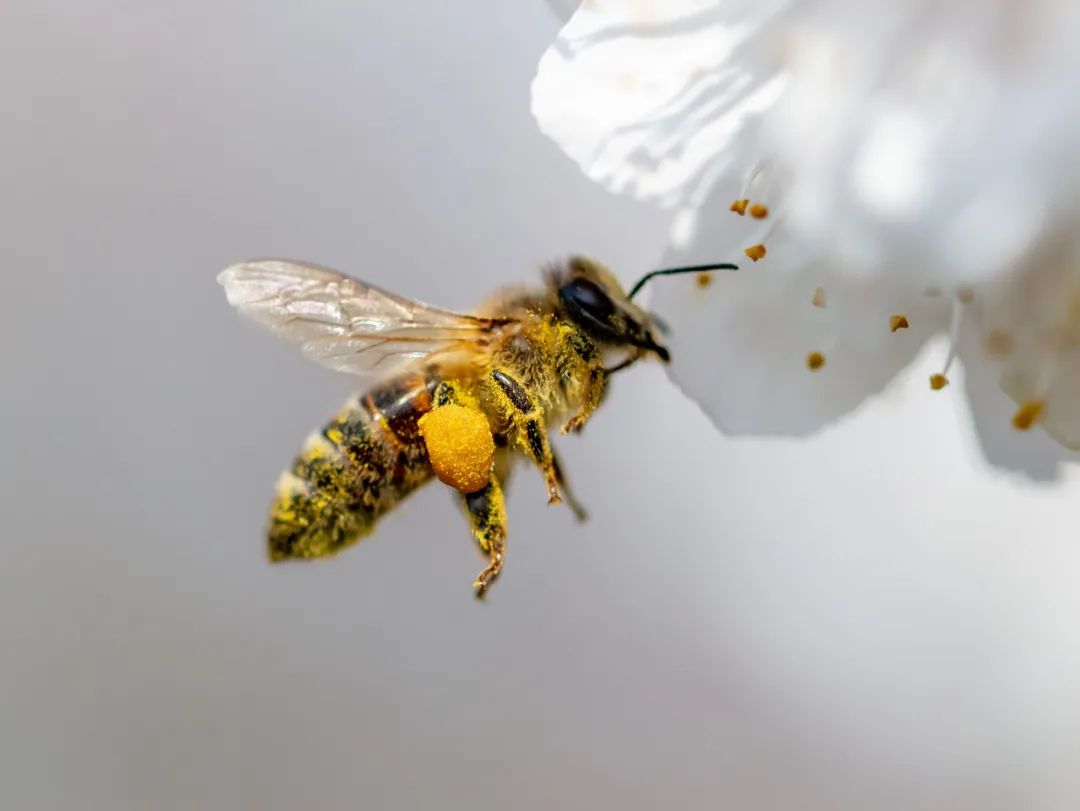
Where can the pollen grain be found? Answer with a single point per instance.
(755, 252)
(1028, 414)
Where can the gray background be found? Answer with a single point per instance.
(870, 618)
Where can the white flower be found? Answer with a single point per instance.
(917, 164)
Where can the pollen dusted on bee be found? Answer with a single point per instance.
(459, 445)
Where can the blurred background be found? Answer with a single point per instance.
(871, 618)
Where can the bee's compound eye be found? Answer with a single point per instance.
(587, 296)
(589, 305)
(459, 445)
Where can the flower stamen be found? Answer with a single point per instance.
(739, 206)
(999, 343)
(814, 361)
(1028, 414)
(940, 380)
(898, 322)
(755, 252)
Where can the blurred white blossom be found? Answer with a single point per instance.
(905, 169)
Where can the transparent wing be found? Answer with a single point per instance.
(344, 323)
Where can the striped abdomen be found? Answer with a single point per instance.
(368, 458)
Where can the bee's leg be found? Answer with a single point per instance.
(487, 513)
(572, 501)
(529, 428)
(445, 394)
(595, 383)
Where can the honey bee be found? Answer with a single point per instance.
(455, 397)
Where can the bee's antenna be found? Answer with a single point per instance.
(652, 274)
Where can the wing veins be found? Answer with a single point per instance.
(347, 324)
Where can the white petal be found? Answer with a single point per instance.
(1033, 453)
(1022, 335)
(740, 344)
(940, 136)
(654, 98)
(935, 134)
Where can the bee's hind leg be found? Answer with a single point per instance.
(486, 509)
(572, 501)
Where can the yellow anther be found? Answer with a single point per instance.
(759, 211)
(999, 343)
(704, 279)
(818, 299)
(459, 445)
(938, 381)
(739, 206)
(898, 322)
(814, 361)
(1028, 414)
(755, 252)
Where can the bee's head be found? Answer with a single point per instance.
(590, 296)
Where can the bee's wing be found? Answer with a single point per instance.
(344, 323)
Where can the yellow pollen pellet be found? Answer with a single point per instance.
(898, 322)
(1028, 414)
(814, 361)
(459, 445)
(938, 381)
(755, 252)
(818, 299)
(739, 206)
(759, 211)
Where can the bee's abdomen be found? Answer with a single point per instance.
(366, 460)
